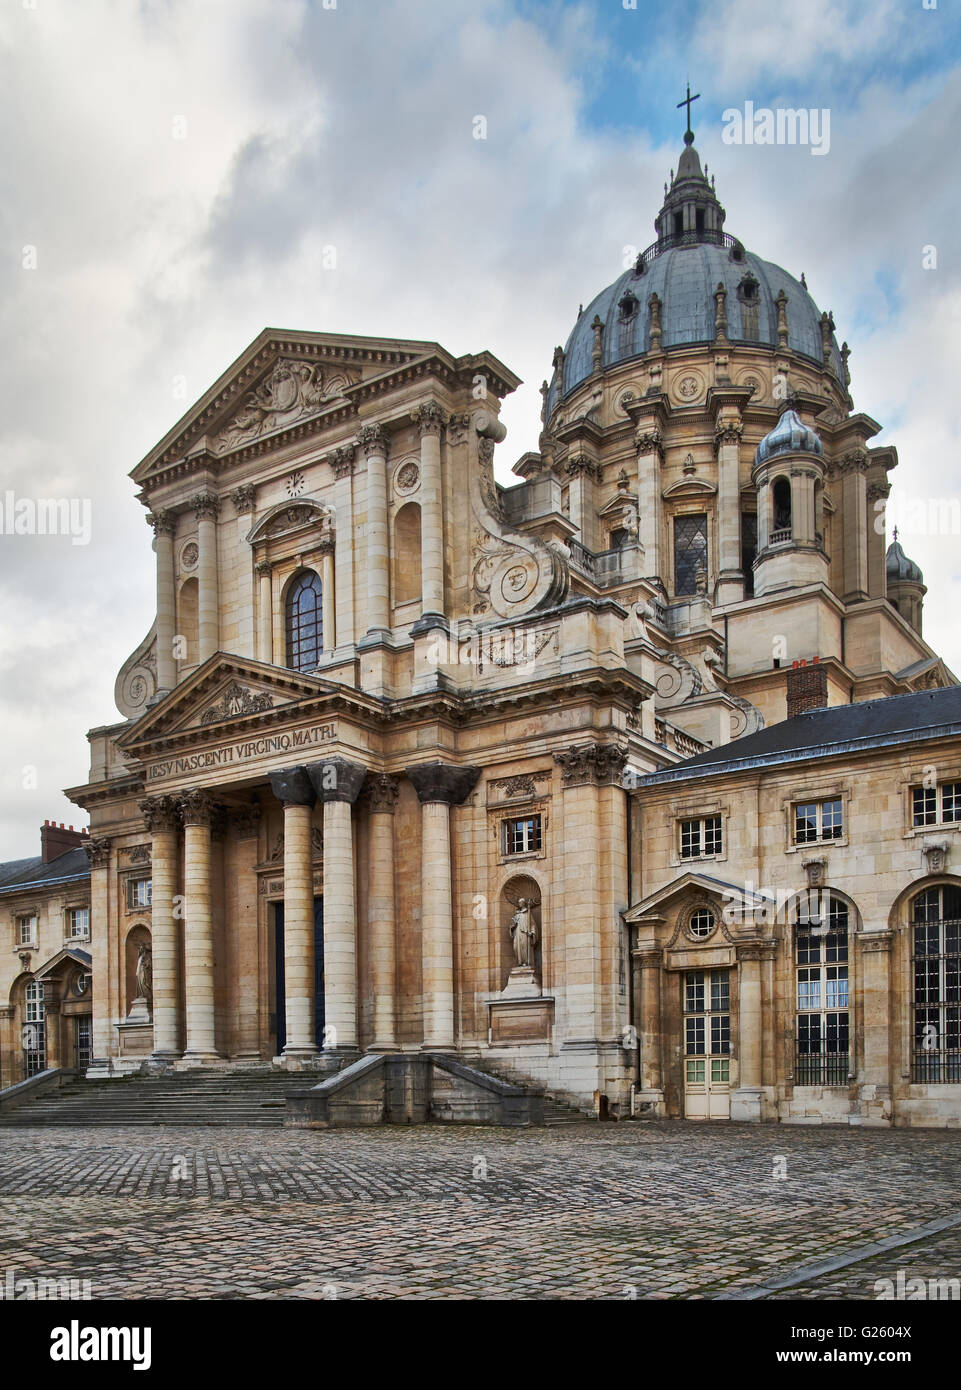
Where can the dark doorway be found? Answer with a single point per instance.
(280, 988)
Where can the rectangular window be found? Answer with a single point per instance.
(690, 552)
(139, 892)
(78, 923)
(26, 929)
(939, 805)
(701, 838)
(818, 820)
(522, 836)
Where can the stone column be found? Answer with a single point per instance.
(342, 465)
(293, 788)
(648, 1007)
(764, 517)
(101, 924)
(244, 499)
(265, 614)
(337, 783)
(160, 818)
(650, 454)
(326, 548)
(164, 524)
(727, 443)
(381, 800)
(439, 786)
(197, 811)
(373, 439)
(243, 939)
(876, 1004)
(854, 507)
(206, 505)
(430, 422)
(581, 470)
(746, 1100)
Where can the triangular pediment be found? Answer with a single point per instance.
(225, 693)
(281, 380)
(654, 905)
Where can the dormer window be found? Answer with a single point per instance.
(629, 305)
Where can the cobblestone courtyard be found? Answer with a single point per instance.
(659, 1210)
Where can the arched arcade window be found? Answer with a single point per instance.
(305, 622)
(822, 1056)
(936, 960)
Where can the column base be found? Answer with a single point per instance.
(198, 1059)
(746, 1104)
(161, 1061)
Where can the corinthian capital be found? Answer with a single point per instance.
(205, 505)
(98, 851)
(342, 461)
(381, 790)
(164, 523)
(243, 498)
(649, 442)
(159, 812)
(597, 763)
(197, 807)
(373, 440)
(430, 418)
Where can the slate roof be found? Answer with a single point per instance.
(888, 722)
(25, 873)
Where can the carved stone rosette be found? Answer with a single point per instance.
(598, 764)
(98, 851)
(381, 792)
(159, 812)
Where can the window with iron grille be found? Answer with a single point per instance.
(305, 622)
(521, 836)
(139, 892)
(936, 962)
(822, 1048)
(690, 551)
(940, 805)
(701, 837)
(818, 820)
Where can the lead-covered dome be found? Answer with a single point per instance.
(692, 256)
(901, 569)
(789, 436)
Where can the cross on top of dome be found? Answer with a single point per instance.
(689, 133)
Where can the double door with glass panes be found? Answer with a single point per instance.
(707, 1044)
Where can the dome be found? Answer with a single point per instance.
(789, 436)
(691, 257)
(899, 568)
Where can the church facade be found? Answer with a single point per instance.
(379, 782)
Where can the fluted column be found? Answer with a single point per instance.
(164, 524)
(342, 465)
(328, 610)
(265, 614)
(294, 789)
(160, 818)
(337, 784)
(373, 439)
(439, 786)
(430, 422)
(197, 811)
(649, 455)
(206, 506)
(382, 798)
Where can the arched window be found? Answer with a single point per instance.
(305, 622)
(936, 958)
(823, 1022)
(782, 510)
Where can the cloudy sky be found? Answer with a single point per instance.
(174, 169)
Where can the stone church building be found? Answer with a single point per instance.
(410, 760)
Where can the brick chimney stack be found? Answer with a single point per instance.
(57, 839)
(807, 687)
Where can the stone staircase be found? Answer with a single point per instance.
(249, 1097)
(253, 1096)
(556, 1110)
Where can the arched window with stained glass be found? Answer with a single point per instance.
(305, 622)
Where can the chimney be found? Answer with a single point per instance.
(807, 687)
(57, 839)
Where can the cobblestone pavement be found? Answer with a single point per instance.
(652, 1210)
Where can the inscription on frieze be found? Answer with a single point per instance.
(232, 754)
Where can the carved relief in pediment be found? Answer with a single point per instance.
(292, 391)
(236, 700)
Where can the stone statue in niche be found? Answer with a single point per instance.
(145, 973)
(523, 931)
